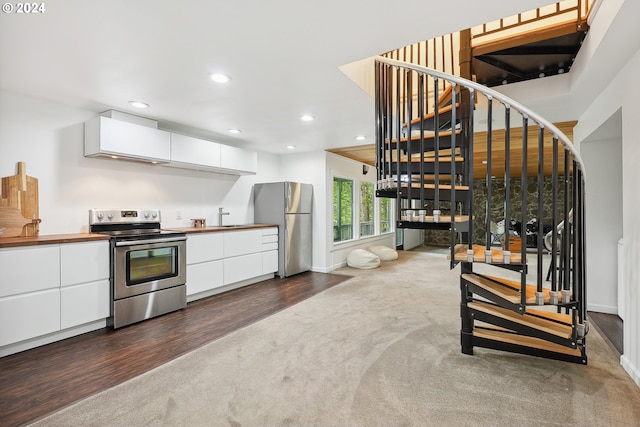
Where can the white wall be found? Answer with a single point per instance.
(338, 252)
(631, 208)
(309, 168)
(49, 138)
(622, 94)
(603, 161)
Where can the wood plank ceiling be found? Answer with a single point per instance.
(367, 154)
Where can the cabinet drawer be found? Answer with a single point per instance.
(84, 303)
(242, 268)
(270, 238)
(242, 242)
(29, 269)
(27, 316)
(204, 276)
(204, 247)
(269, 262)
(83, 262)
(269, 246)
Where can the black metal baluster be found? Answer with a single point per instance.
(470, 179)
(488, 177)
(523, 209)
(540, 214)
(454, 112)
(554, 224)
(436, 150)
(507, 179)
(421, 101)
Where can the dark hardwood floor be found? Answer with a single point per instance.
(40, 381)
(610, 326)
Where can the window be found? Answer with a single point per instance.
(357, 212)
(367, 222)
(385, 215)
(342, 209)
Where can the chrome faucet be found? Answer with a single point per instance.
(220, 213)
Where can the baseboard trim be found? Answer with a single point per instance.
(631, 369)
(599, 308)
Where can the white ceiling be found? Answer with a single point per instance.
(283, 57)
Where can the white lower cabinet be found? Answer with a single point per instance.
(269, 262)
(242, 267)
(204, 276)
(29, 315)
(84, 283)
(229, 259)
(51, 288)
(80, 304)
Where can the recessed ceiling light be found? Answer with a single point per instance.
(235, 131)
(361, 137)
(306, 117)
(291, 147)
(138, 104)
(220, 78)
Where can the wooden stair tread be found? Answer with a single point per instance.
(505, 292)
(543, 324)
(430, 186)
(478, 254)
(428, 134)
(530, 289)
(443, 219)
(415, 158)
(444, 110)
(522, 340)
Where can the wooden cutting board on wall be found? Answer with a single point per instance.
(21, 191)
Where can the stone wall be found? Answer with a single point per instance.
(441, 238)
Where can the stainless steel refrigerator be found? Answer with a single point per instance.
(287, 204)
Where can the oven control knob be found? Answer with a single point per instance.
(100, 216)
(146, 214)
(154, 215)
(110, 215)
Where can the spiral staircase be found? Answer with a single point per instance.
(425, 125)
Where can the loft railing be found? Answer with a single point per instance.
(400, 119)
(575, 11)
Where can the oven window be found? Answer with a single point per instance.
(151, 264)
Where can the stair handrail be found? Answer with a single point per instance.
(505, 100)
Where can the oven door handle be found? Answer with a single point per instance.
(150, 241)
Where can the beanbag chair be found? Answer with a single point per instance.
(365, 260)
(384, 253)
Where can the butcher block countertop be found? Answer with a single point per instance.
(213, 229)
(51, 239)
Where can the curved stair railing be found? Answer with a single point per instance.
(426, 147)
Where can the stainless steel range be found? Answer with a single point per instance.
(148, 264)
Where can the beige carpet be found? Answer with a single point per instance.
(381, 349)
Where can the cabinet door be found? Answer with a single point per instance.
(202, 247)
(30, 315)
(242, 268)
(105, 136)
(269, 262)
(239, 160)
(83, 262)
(242, 242)
(204, 276)
(84, 303)
(194, 153)
(28, 269)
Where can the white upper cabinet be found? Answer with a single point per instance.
(194, 153)
(123, 137)
(242, 161)
(104, 137)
